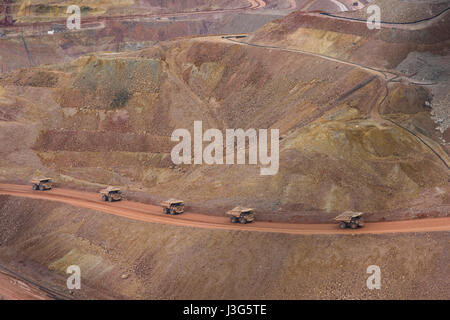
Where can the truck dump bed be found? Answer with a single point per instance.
(348, 216)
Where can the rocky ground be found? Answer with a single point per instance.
(435, 69)
(121, 258)
(107, 119)
(402, 10)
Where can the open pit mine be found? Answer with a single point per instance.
(224, 149)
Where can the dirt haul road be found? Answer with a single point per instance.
(152, 213)
(12, 288)
(411, 25)
(388, 76)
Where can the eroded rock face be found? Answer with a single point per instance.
(121, 25)
(435, 69)
(347, 143)
(108, 119)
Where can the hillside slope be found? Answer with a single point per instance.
(107, 119)
(122, 258)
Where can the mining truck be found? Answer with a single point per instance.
(350, 219)
(173, 206)
(241, 215)
(41, 184)
(111, 194)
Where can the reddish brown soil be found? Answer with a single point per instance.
(323, 171)
(152, 213)
(337, 155)
(133, 259)
(12, 288)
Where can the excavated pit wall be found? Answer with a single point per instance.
(122, 258)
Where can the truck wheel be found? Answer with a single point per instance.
(172, 212)
(41, 187)
(342, 225)
(233, 220)
(242, 220)
(104, 198)
(110, 199)
(35, 187)
(353, 225)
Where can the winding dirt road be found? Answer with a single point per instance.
(151, 213)
(253, 5)
(408, 25)
(12, 288)
(340, 5)
(388, 76)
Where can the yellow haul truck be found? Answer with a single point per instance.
(173, 206)
(350, 219)
(241, 215)
(41, 184)
(111, 194)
